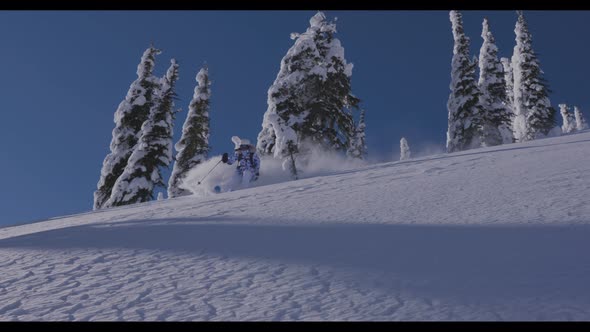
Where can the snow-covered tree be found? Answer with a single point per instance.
(405, 152)
(160, 196)
(534, 116)
(509, 79)
(193, 146)
(496, 124)
(465, 110)
(153, 151)
(358, 148)
(581, 123)
(569, 121)
(129, 117)
(310, 100)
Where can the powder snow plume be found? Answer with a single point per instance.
(271, 172)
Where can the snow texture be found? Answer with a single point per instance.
(411, 240)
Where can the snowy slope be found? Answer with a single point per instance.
(497, 233)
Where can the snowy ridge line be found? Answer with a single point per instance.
(489, 234)
(100, 211)
(437, 156)
(499, 148)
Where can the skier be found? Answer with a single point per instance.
(248, 166)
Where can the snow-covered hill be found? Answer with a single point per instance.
(489, 234)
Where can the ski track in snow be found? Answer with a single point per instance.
(489, 234)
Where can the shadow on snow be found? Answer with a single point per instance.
(466, 261)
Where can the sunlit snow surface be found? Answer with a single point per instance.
(497, 233)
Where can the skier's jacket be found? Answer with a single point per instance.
(247, 160)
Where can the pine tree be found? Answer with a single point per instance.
(581, 123)
(358, 148)
(465, 110)
(405, 152)
(153, 151)
(311, 99)
(290, 162)
(569, 120)
(193, 146)
(509, 79)
(496, 126)
(129, 117)
(266, 139)
(534, 116)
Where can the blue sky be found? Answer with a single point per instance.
(64, 74)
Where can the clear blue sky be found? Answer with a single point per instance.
(64, 74)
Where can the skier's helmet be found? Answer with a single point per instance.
(241, 143)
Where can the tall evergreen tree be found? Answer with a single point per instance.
(193, 146)
(358, 148)
(129, 117)
(581, 123)
(534, 116)
(569, 120)
(404, 148)
(311, 99)
(509, 79)
(465, 110)
(153, 151)
(496, 124)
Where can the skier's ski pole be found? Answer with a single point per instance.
(209, 172)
